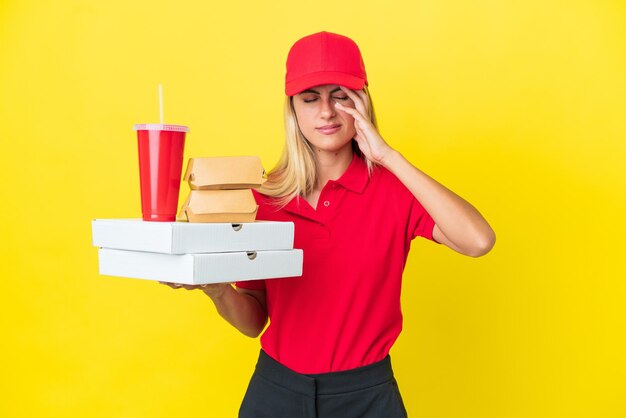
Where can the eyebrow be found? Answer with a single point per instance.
(317, 92)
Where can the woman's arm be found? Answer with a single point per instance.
(457, 223)
(242, 308)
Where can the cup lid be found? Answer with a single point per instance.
(160, 127)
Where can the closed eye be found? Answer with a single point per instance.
(310, 100)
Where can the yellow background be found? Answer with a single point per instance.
(520, 107)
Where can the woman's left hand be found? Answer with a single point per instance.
(370, 142)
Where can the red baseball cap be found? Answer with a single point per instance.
(324, 58)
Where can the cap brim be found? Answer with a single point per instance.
(298, 85)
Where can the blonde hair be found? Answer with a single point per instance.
(295, 174)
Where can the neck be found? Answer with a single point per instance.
(332, 165)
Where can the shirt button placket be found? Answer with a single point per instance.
(325, 198)
(326, 215)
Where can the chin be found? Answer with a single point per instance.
(331, 144)
(334, 149)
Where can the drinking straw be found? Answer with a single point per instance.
(161, 102)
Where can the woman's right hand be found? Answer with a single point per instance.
(245, 309)
(213, 290)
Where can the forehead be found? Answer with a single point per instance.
(324, 88)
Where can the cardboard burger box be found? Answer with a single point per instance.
(224, 173)
(231, 206)
(220, 189)
(183, 237)
(200, 268)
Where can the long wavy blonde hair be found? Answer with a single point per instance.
(295, 174)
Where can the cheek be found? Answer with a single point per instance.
(303, 118)
(349, 121)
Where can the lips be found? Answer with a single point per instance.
(329, 129)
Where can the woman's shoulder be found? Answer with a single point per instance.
(258, 196)
(261, 199)
(387, 180)
(268, 205)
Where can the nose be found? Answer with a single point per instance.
(328, 107)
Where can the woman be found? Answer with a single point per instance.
(356, 204)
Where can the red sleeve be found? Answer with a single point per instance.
(421, 224)
(251, 284)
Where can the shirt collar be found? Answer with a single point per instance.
(355, 178)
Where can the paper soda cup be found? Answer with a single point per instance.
(160, 167)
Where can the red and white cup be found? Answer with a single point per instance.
(160, 168)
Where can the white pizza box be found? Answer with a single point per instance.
(200, 268)
(185, 237)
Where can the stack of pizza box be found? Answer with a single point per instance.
(215, 238)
